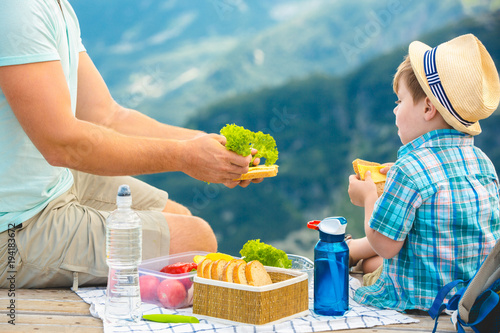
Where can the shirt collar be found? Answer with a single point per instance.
(438, 138)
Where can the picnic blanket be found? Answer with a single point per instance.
(358, 316)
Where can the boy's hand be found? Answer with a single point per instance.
(362, 192)
(387, 167)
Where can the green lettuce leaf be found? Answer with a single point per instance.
(241, 141)
(267, 254)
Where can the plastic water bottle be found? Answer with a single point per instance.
(123, 256)
(331, 267)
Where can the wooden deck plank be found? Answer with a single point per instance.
(47, 306)
(45, 301)
(57, 294)
(61, 310)
(61, 320)
(47, 328)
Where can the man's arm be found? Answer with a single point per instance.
(39, 97)
(96, 105)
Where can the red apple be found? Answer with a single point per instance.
(186, 282)
(149, 285)
(171, 293)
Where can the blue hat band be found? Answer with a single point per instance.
(437, 88)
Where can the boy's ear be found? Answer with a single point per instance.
(430, 110)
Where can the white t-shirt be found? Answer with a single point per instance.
(33, 31)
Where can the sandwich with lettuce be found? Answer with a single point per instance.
(242, 141)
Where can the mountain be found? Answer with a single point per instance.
(321, 123)
(170, 58)
(315, 74)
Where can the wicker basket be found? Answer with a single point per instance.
(287, 297)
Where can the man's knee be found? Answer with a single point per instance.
(190, 233)
(173, 207)
(207, 235)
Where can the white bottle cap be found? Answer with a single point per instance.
(333, 225)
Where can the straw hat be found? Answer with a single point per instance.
(460, 79)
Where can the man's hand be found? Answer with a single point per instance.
(245, 183)
(205, 158)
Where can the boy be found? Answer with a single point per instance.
(438, 217)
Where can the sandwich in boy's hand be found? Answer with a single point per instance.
(360, 167)
(242, 141)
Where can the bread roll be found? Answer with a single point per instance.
(207, 270)
(217, 268)
(201, 267)
(227, 273)
(236, 271)
(256, 274)
(239, 273)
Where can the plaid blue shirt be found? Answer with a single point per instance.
(441, 197)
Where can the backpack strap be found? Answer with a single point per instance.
(438, 305)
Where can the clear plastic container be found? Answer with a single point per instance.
(306, 265)
(176, 290)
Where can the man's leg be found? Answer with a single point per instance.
(190, 233)
(176, 208)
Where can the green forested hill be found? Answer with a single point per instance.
(320, 125)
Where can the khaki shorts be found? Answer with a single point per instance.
(370, 278)
(69, 235)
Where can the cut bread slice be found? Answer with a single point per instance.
(256, 274)
(239, 273)
(227, 273)
(207, 270)
(217, 269)
(201, 267)
(235, 270)
(260, 171)
(363, 162)
(361, 166)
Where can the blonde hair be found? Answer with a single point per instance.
(405, 72)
